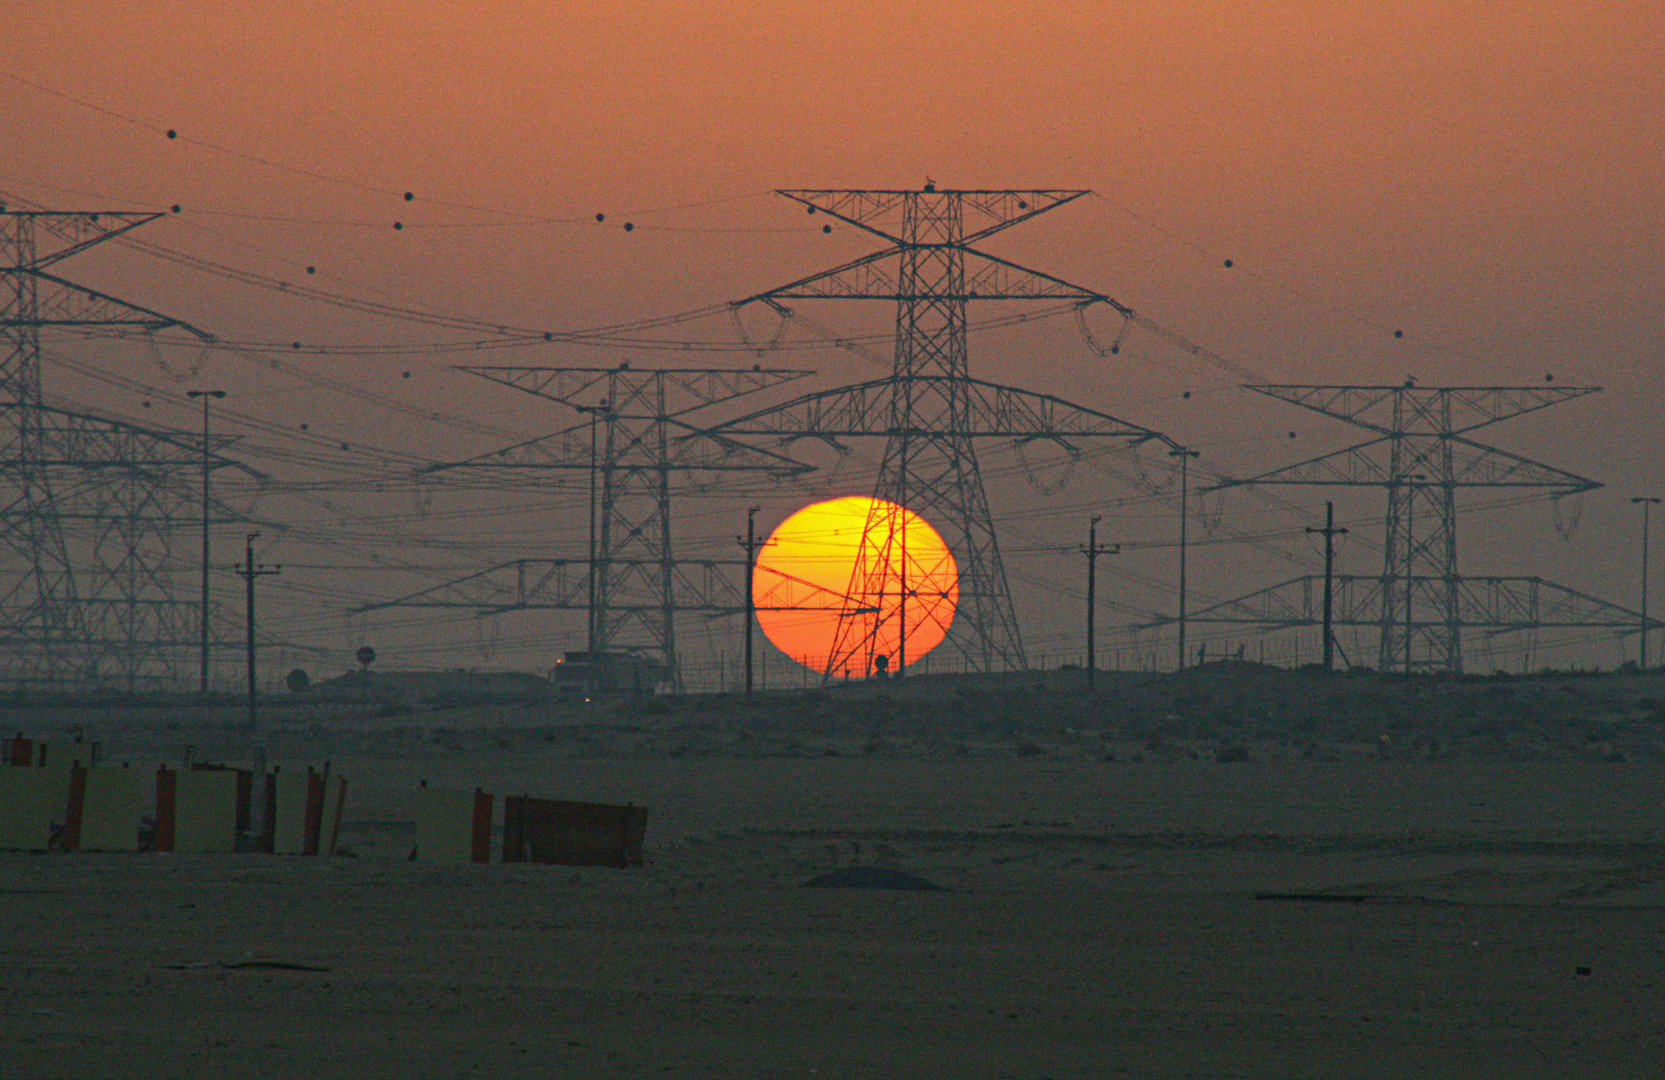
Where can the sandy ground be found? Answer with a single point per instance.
(1463, 918)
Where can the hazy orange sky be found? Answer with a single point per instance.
(1483, 177)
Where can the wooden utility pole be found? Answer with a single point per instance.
(249, 571)
(1330, 533)
(1093, 551)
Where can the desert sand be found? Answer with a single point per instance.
(1136, 884)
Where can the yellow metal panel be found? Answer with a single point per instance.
(110, 812)
(31, 801)
(444, 825)
(289, 834)
(205, 811)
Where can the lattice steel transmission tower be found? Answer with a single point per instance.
(1422, 455)
(930, 412)
(89, 505)
(633, 444)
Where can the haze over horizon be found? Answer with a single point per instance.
(1482, 181)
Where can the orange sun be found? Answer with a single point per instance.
(817, 607)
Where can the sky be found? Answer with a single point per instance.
(1482, 179)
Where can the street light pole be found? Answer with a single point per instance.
(1647, 502)
(1093, 551)
(1184, 454)
(206, 396)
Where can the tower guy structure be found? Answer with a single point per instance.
(930, 412)
(1422, 454)
(639, 451)
(90, 505)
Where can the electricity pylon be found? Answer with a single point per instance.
(633, 443)
(1422, 456)
(930, 412)
(88, 505)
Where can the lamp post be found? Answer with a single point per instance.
(1184, 454)
(1646, 502)
(1410, 560)
(206, 396)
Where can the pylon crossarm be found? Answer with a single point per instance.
(1486, 466)
(1507, 604)
(708, 451)
(688, 449)
(76, 305)
(80, 228)
(1447, 410)
(635, 393)
(858, 279)
(864, 208)
(562, 584)
(991, 411)
(789, 592)
(1290, 604)
(987, 277)
(79, 439)
(1472, 464)
(1498, 604)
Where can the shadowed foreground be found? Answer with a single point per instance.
(1101, 919)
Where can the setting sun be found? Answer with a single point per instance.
(817, 608)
